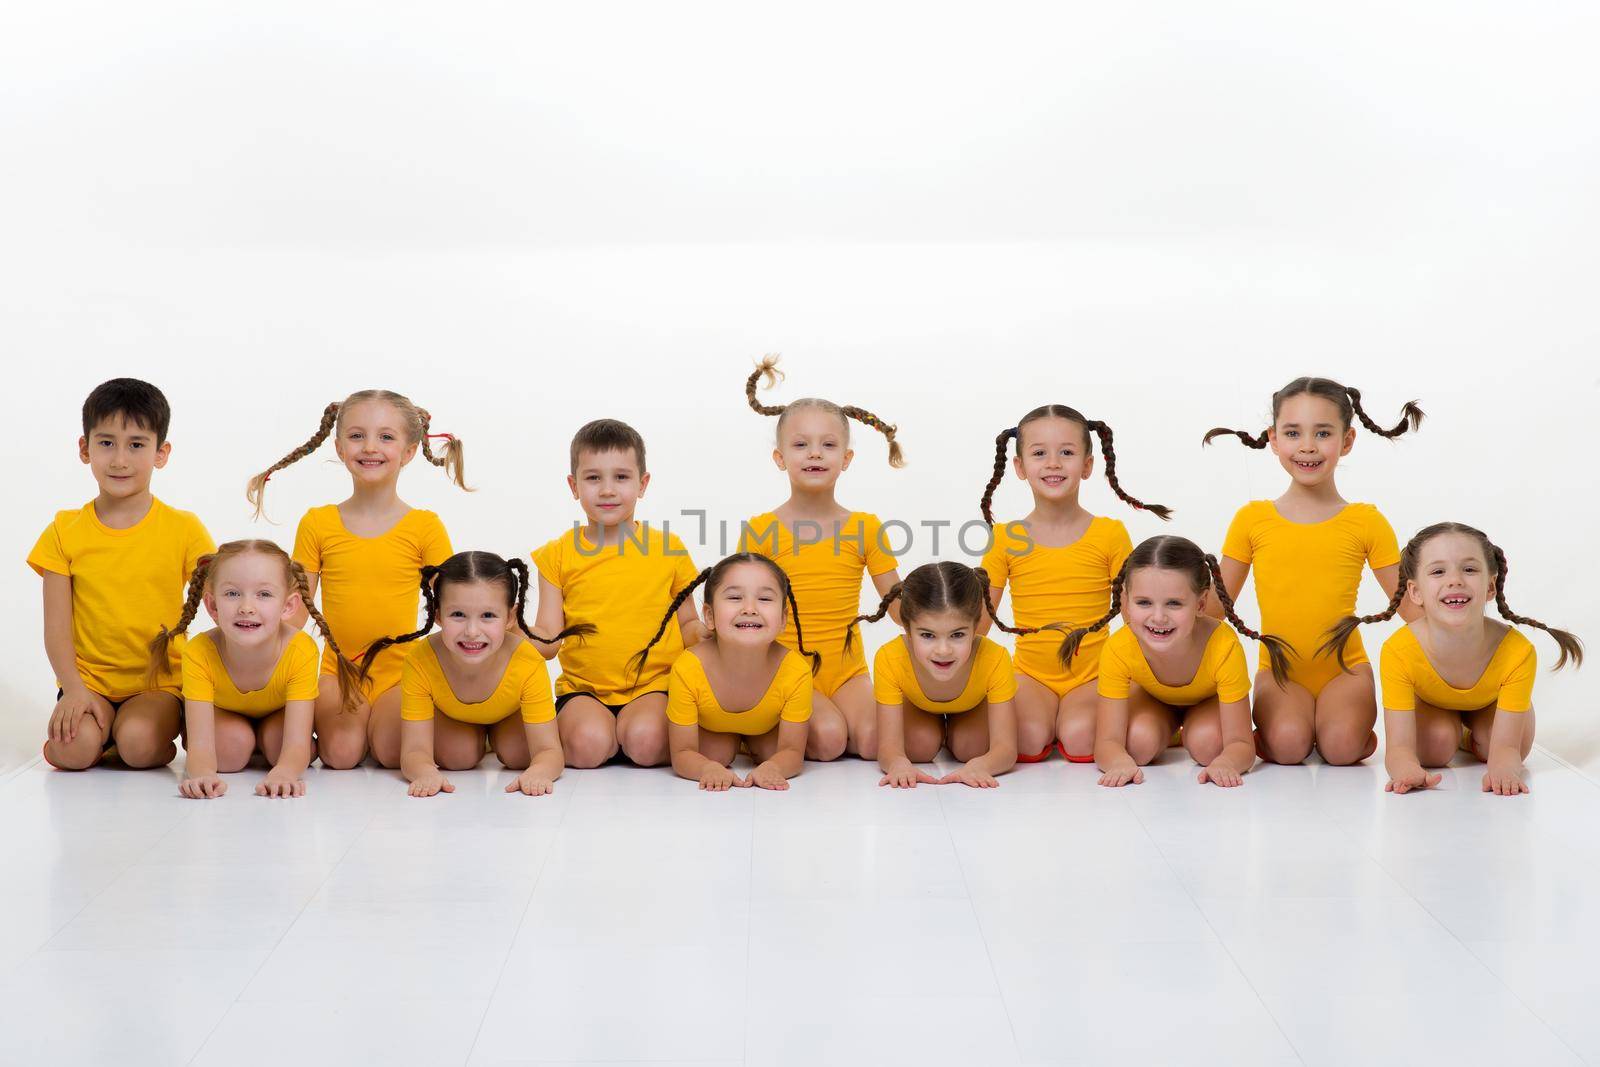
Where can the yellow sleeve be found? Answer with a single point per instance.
(887, 687)
(997, 561)
(304, 662)
(435, 542)
(1383, 550)
(198, 684)
(684, 573)
(1002, 681)
(879, 560)
(797, 698)
(547, 560)
(1119, 546)
(538, 703)
(416, 689)
(1516, 689)
(1399, 693)
(1233, 673)
(683, 705)
(1116, 674)
(49, 555)
(308, 544)
(1236, 545)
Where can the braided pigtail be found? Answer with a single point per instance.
(162, 642)
(1001, 440)
(637, 661)
(1102, 431)
(1571, 647)
(866, 418)
(1410, 416)
(994, 616)
(431, 598)
(799, 639)
(883, 609)
(521, 576)
(1338, 636)
(1278, 651)
(256, 490)
(1074, 638)
(345, 672)
(453, 460)
(767, 368)
(1258, 441)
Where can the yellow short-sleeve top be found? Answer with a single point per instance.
(623, 590)
(524, 687)
(691, 701)
(370, 587)
(126, 585)
(990, 678)
(1066, 583)
(206, 678)
(1222, 672)
(1307, 574)
(1506, 683)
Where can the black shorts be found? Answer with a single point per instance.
(615, 709)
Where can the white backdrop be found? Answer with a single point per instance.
(527, 216)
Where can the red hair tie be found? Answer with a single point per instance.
(446, 436)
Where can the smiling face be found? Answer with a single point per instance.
(250, 598)
(374, 441)
(122, 455)
(813, 447)
(473, 618)
(1308, 437)
(747, 606)
(1160, 606)
(608, 485)
(1053, 455)
(942, 641)
(1453, 584)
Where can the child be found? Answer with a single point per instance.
(1059, 560)
(823, 548)
(942, 684)
(1160, 593)
(486, 681)
(248, 685)
(616, 574)
(741, 686)
(114, 571)
(364, 554)
(1449, 572)
(1308, 548)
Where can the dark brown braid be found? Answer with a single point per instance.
(768, 368)
(1410, 416)
(256, 490)
(1075, 638)
(522, 577)
(637, 661)
(1070, 414)
(894, 593)
(1278, 650)
(1571, 647)
(1003, 438)
(430, 600)
(159, 645)
(1338, 636)
(345, 672)
(799, 638)
(1103, 431)
(1349, 404)
(946, 586)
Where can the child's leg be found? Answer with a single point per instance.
(1150, 726)
(509, 742)
(1037, 710)
(763, 746)
(588, 731)
(642, 730)
(145, 729)
(269, 736)
(1346, 712)
(236, 741)
(924, 734)
(1480, 722)
(457, 746)
(1285, 720)
(341, 735)
(85, 749)
(1202, 731)
(719, 746)
(967, 734)
(1438, 734)
(1075, 717)
(828, 732)
(858, 708)
(383, 730)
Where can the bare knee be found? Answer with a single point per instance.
(966, 747)
(826, 738)
(1287, 741)
(1342, 744)
(76, 755)
(589, 742)
(340, 750)
(865, 740)
(1437, 743)
(1077, 735)
(141, 744)
(1203, 740)
(1146, 740)
(512, 759)
(457, 756)
(923, 747)
(236, 743)
(644, 743)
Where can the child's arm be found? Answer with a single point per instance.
(689, 624)
(1238, 753)
(897, 769)
(1111, 744)
(982, 771)
(1400, 754)
(416, 759)
(1504, 776)
(551, 618)
(688, 763)
(787, 761)
(545, 760)
(200, 781)
(1389, 579)
(77, 700)
(288, 776)
(1233, 575)
(885, 582)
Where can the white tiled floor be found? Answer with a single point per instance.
(1305, 918)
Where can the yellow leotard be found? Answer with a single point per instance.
(1506, 683)
(1307, 576)
(825, 572)
(989, 679)
(126, 585)
(623, 590)
(206, 678)
(1069, 584)
(1222, 672)
(690, 700)
(370, 587)
(524, 686)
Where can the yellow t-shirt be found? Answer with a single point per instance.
(1222, 672)
(524, 686)
(825, 572)
(1069, 584)
(371, 587)
(1307, 576)
(990, 678)
(691, 702)
(623, 590)
(206, 678)
(1506, 683)
(126, 585)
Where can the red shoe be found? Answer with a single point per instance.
(1070, 758)
(1038, 757)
